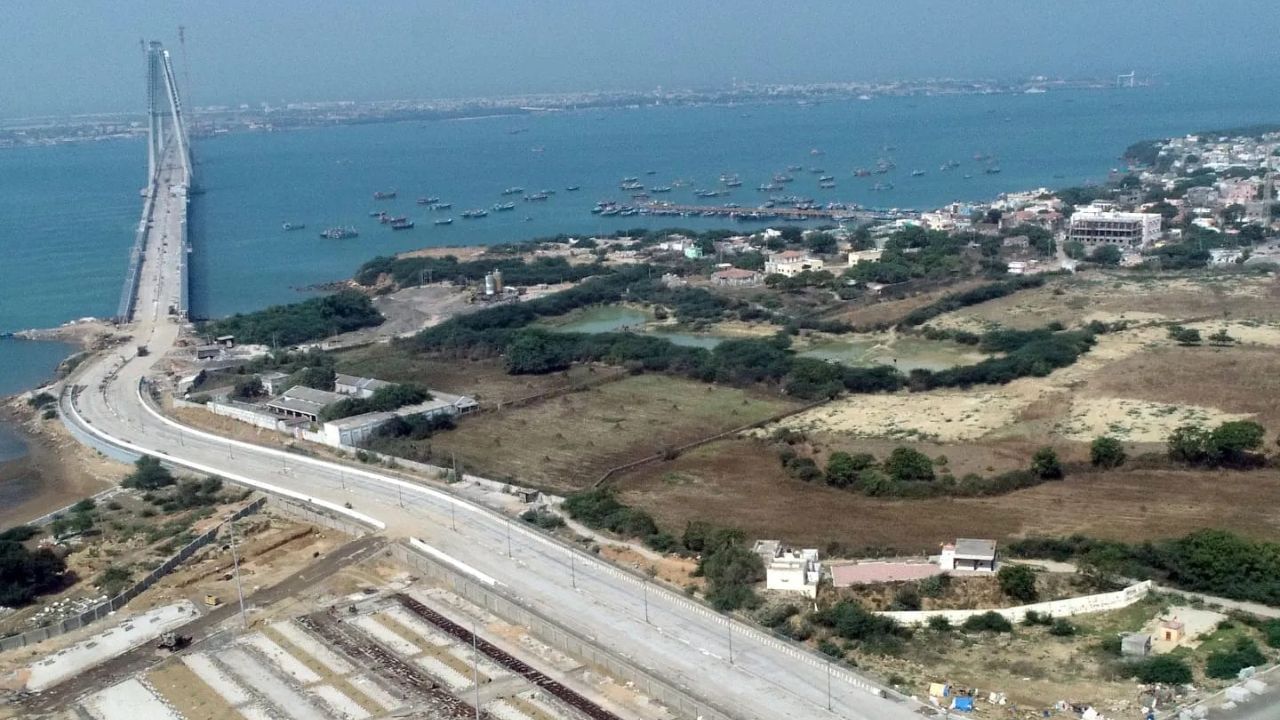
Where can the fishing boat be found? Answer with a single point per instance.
(444, 221)
(573, 188)
(538, 197)
(827, 184)
(992, 170)
(632, 185)
(782, 178)
(769, 187)
(661, 189)
(384, 195)
(514, 190)
(402, 224)
(292, 226)
(826, 178)
(339, 233)
(503, 207)
(441, 206)
(428, 200)
(474, 214)
(917, 173)
(862, 172)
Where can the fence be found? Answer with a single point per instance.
(110, 605)
(1052, 608)
(679, 702)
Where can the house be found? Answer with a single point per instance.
(355, 430)
(969, 554)
(226, 341)
(693, 251)
(302, 402)
(209, 352)
(861, 256)
(1172, 631)
(735, 277)
(274, 383)
(1135, 645)
(360, 387)
(790, 263)
(789, 570)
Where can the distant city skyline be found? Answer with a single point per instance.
(65, 57)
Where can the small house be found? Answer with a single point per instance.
(1135, 645)
(226, 341)
(302, 402)
(788, 569)
(274, 383)
(1172, 631)
(209, 352)
(360, 387)
(969, 554)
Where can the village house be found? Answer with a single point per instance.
(788, 569)
(860, 256)
(969, 554)
(790, 263)
(302, 402)
(735, 277)
(360, 387)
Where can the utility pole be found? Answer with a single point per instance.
(573, 569)
(475, 666)
(235, 559)
(509, 538)
(730, 641)
(828, 686)
(646, 602)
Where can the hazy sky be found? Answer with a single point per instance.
(64, 56)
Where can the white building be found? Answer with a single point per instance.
(787, 569)
(360, 387)
(859, 256)
(356, 430)
(1101, 224)
(969, 554)
(790, 263)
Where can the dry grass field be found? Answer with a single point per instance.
(740, 483)
(485, 380)
(567, 442)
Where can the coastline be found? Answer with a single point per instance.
(55, 471)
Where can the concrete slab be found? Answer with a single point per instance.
(129, 700)
(287, 701)
(312, 647)
(881, 572)
(386, 636)
(110, 643)
(213, 676)
(286, 663)
(445, 674)
(339, 705)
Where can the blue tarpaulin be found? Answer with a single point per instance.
(963, 704)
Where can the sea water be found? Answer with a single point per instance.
(68, 212)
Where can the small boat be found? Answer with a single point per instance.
(502, 207)
(387, 195)
(862, 172)
(992, 171)
(428, 200)
(536, 197)
(377, 213)
(769, 187)
(826, 178)
(573, 188)
(816, 170)
(650, 172)
(882, 186)
(827, 184)
(292, 226)
(782, 178)
(632, 185)
(514, 190)
(441, 206)
(474, 214)
(917, 173)
(661, 189)
(815, 152)
(402, 224)
(443, 221)
(733, 183)
(629, 179)
(339, 233)
(794, 168)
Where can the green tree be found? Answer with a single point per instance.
(533, 353)
(25, 573)
(1226, 664)
(1165, 669)
(1107, 255)
(248, 388)
(1189, 444)
(1018, 582)
(1232, 441)
(908, 465)
(843, 468)
(1184, 335)
(1107, 452)
(1103, 564)
(148, 474)
(1074, 249)
(1045, 464)
(318, 377)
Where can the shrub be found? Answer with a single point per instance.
(148, 474)
(1018, 582)
(1225, 664)
(1045, 464)
(826, 647)
(935, 585)
(1165, 669)
(987, 622)
(1062, 628)
(906, 465)
(939, 623)
(778, 615)
(1035, 618)
(1107, 452)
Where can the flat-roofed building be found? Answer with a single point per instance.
(303, 402)
(361, 387)
(1098, 225)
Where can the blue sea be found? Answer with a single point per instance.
(67, 212)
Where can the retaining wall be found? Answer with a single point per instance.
(110, 605)
(1053, 608)
(681, 703)
(315, 516)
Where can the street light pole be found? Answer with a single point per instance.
(730, 641)
(646, 602)
(235, 559)
(828, 686)
(475, 666)
(573, 569)
(509, 538)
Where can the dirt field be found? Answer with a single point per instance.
(740, 483)
(485, 380)
(567, 442)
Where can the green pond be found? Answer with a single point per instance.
(904, 353)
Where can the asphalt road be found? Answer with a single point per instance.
(728, 665)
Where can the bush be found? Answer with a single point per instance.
(1036, 618)
(1165, 669)
(40, 400)
(1018, 582)
(300, 322)
(113, 580)
(25, 573)
(907, 465)
(148, 474)
(935, 585)
(1045, 464)
(542, 518)
(1226, 664)
(939, 623)
(1107, 452)
(987, 622)
(1062, 628)
(778, 615)
(826, 647)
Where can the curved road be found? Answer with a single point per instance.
(680, 641)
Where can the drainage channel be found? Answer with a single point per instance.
(375, 658)
(500, 656)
